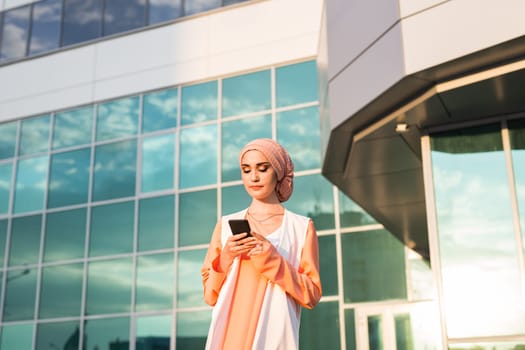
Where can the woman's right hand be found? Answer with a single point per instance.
(236, 245)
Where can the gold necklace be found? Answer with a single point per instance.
(263, 220)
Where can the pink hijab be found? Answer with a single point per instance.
(280, 161)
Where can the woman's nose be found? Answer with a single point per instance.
(255, 176)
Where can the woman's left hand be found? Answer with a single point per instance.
(261, 245)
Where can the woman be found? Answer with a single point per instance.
(258, 284)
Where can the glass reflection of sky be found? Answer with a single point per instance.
(17, 336)
(156, 224)
(73, 128)
(246, 93)
(82, 21)
(112, 229)
(197, 217)
(198, 156)
(35, 135)
(8, 139)
(60, 244)
(3, 239)
(20, 295)
(199, 103)
(517, 138)
(159, 111)
(25, 240)
(296, 83)
(351, 214)
(158, 157)
(123, 15)
(61, 285)
(5, 186)
(164, 10)
(155, 276)
(196, 6)
(193, 324)
(153, 327)
(57, 335)
(236, 134)
(234, 198)
(477, 244)
(328, 264)
(189, 283)
(15, 33)
(45, 27)
(31, 184)
(107, 334)
(117, 118)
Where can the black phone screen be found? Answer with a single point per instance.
(239, 226)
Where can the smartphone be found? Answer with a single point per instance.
(240, 226)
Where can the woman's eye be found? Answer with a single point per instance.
(263, 169)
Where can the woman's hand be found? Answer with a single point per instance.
(235, 245)
(260, 245)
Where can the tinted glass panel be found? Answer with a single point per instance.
(160, 110)
(3, 239)
(296, 83)
(298, 131)
(154, 282)
(419, 328)
(153, 332)
(350, 329)
(234, 198)
(162, 10)
(323, 318)
(235, 135)
(14, 33)
(114, 170)
(199, 103)
(192, 329)
(312, 196)
(117, 118)
(112, 229)
(198, 156)
(246, 93)
(189, 283)
(192, 7)
(6, 171)
(375, 332)
(328, 264)
(18, 336)
(474, 218)
(25, 240)
(45, 28)
(350, 214)
(82, 21)
(73, 128)
(197, 217)
(20, 295)
(61, 335)
(69, 178)
(29, 192)
(158, 157)
(61, 244)
(34, 136)
(123, 15)
(373, 266)
(61, 285)
(8, 139)
(109, 287)
(156, 223)
(107, 334)
(517, 141)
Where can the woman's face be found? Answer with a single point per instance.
(258, 176)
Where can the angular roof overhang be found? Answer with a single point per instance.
(381, 169)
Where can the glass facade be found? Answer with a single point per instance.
(48, 25)
(106, 211)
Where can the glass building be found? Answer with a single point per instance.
(120, 127)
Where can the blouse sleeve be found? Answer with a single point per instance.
(212, 275)
(302, 284)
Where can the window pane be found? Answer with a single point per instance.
(17, 336)
(63, 244)
(114, 170)
(373, 266)
(82, 21)
(246, 93)
(375, 332)
(312, 197)
(192, 329)
(298, 131)
(112, 229)
(162, 10)
(25, 240)
(154, 282)
(421, 279)
(156, 223)
(158, 157)
(189, 283)
(45, 28)
(20, 293)
(73, 128)
(234, 199)
(197, 217)
(328, 264)
(14, 34)
(109, 288)
(198, 156)
(69, 178)
(517, 141)
(3, 240)
(34, 136)
(192, 7)
(153, 332)
(235, 135)
(160, 110)
(351, 214)
(29, 192)
(474, 218)
(117, 118)
(350, 329)
(60, 335)
(296, 83)
(418, 328)
(8, 139)
(6, 171)
(323, 319)
(123, 15)
(199, 103)
(107, 333)
(61, 285)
